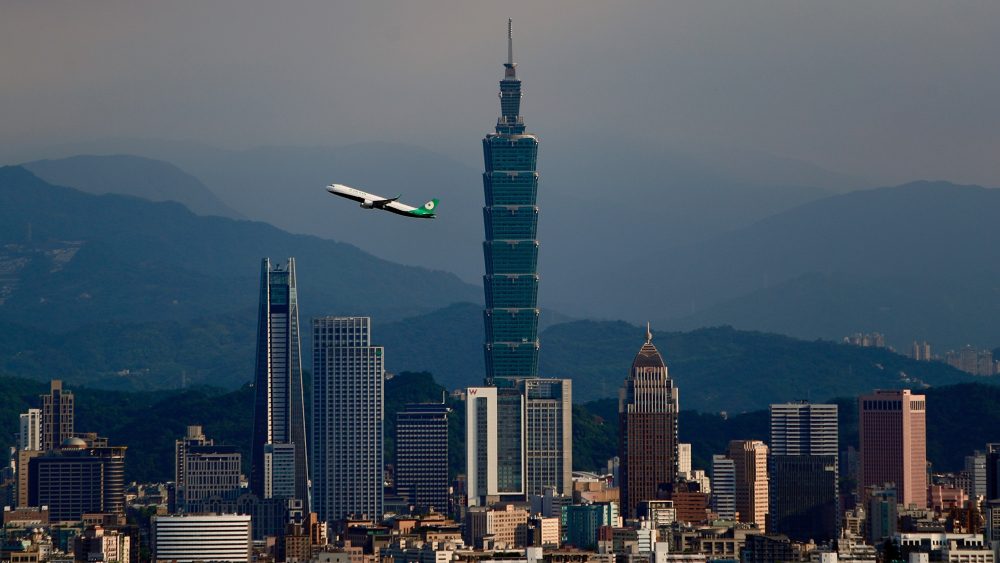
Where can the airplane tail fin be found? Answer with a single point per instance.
(426, 210)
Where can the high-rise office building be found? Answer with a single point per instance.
(548, 430)
(494, 430)
(750, 464)
(893, 438)
(23, 484)
(803, 469)
(422, 456)
(213, 478)
(724, 487)
(882, 520)
(975, 469)
(278, 457)
(206, 476)
(804, 429)
(511, 248)
(348, 391)
(30, 435)
(77, 480)
(194, 437)
(57, 416)
(647, 429)
(992, 471)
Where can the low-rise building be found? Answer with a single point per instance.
(545, 532)
(98, 544)
(584, 521)
(943, 546)
(626, 541)
(211, 537)
(500, 527)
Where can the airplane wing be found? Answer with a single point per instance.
(381, 203)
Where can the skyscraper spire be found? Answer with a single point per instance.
(649, 334)
(510, 42)
(510, 72)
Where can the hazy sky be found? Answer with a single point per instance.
(887, 90)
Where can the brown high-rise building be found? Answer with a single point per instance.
(57, 416)
(893, 438)
(750, 464)
(647, 429)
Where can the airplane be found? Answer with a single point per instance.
(372, 201)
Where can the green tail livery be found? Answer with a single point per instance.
(426, 210)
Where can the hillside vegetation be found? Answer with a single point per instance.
(717, 369)
(149, 422)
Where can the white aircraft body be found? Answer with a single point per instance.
(372, 201)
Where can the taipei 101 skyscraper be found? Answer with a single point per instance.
(511, 247)
(519, 438)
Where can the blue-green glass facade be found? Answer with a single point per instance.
(510, 216)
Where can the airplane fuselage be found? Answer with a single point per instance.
(373, 201)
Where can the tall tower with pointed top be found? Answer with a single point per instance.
(510, 216)
(278, 458)
(647, 429)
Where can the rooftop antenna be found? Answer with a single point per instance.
(510, 42)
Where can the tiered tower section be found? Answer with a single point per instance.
(511, 247)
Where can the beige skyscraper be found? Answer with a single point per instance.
(750, 461)
(57, 416)
(893, 439)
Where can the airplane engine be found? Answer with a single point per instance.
(367, 204)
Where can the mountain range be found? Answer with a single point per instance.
(123, 293)
(716, 369)
(70, 259)
(145, 178)
(665, 197)
(916, 261)
(742, 240)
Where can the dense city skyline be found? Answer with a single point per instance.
(348, 462)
